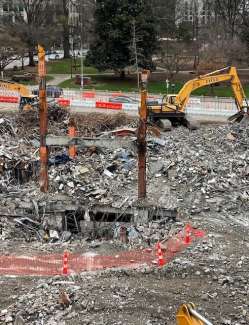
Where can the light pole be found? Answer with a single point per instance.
(167, 86)
(82, 65)
(81, 14)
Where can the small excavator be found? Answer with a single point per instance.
(27, 100)
(188, 315)
(171, 112)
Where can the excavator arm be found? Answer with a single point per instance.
(215, 77)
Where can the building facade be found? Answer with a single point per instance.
(191, 10)
(174, 12)
(9, 9)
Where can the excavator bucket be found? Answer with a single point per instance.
(185, 318)
(239, 117)
(187, 315)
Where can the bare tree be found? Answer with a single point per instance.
(33, 26)
(172, 58)
(10, 49)
(230, 12)
(66, 27)
(76, 20)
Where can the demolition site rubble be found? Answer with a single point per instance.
(201, 177)
(205, 170)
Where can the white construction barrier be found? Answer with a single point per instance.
(82, 103)
(130, 107)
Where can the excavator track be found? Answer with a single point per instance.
(167, 124)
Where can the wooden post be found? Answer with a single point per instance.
(43, 110)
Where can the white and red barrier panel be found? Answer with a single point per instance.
(117, 94)
(92, 103)
(89, 94)
(9, 99)
(107, 105)
(82, 103)
(64, 102)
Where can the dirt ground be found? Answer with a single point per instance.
(212, 273)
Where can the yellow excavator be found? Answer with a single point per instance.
(27, 100)
(188, 315)
(172, 109)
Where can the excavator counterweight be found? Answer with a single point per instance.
(173, 106)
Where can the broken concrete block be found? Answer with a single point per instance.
(53, 234)
(231, 137)
(108, 173)
(70, 184)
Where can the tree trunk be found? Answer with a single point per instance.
(66, 30)
(196, 62)
(66, 44)
(31, 58)
(122, 74)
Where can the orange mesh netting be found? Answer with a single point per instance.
(52, 264)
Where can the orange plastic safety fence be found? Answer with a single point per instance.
(54, 264)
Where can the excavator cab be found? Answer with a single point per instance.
(169, 99)
(166, 114)
(28, 103)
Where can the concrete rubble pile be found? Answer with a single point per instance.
(205, 170)
(209, 169)
(15, 159)
(94, 177)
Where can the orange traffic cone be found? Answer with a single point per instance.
(161, 260)
(65, 263)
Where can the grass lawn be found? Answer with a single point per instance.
(113, 83)
(64, 67)
(33, 82)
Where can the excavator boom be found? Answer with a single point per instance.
(212, 78)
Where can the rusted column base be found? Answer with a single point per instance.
(142, 159)
(44, 169)
(72, 151)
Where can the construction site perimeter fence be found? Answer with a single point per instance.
(208, 108)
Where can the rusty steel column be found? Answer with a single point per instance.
(72, 133)
(43, 112)
(141, 138)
